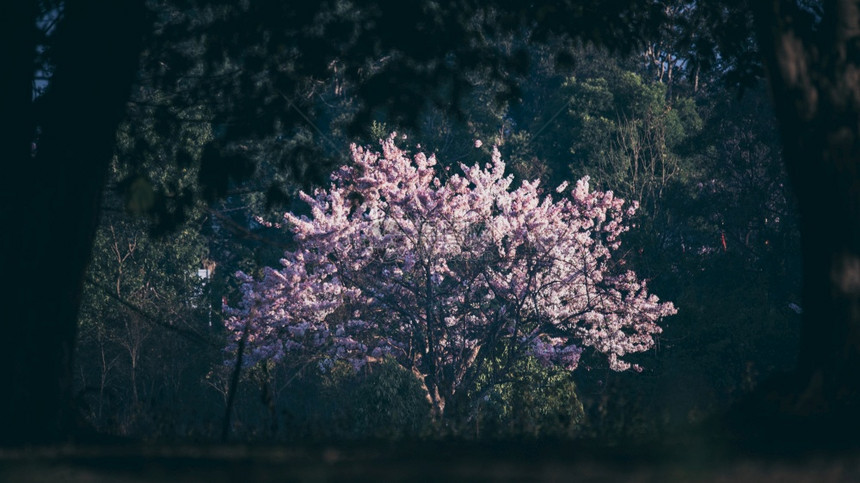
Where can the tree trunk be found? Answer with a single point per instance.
(815, 85)
(51, 202)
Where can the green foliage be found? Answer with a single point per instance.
(379, 130)
(157, 161)
(521, 159)
(386, 402)
(702, 164)
(533, 402)
(306, 403)
(626, 135)
(383, 402)
(144, 309)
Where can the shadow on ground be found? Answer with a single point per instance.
(438, 461)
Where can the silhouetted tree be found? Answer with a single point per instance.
(52, 187)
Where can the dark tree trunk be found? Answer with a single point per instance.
(815, 83)
(51, 201)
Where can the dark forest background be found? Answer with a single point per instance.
(716, 234)
(163, 134)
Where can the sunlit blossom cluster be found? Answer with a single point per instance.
(442, 271)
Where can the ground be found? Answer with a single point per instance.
(421, 462)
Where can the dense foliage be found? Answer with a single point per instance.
(715, 233)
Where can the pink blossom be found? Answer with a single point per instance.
(440, 274)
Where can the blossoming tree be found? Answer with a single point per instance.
(450, 275)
